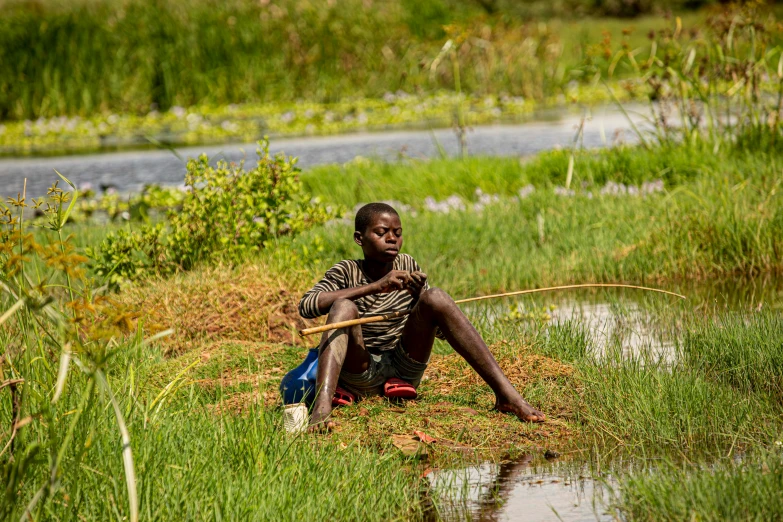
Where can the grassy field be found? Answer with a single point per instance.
(701, 215)
(113, 74)
(730, 491)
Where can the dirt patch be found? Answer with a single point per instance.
(249, 303)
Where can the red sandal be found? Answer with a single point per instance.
(342, 397)
(398, 389)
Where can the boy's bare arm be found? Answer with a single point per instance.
(394, 280)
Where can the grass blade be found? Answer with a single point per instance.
(127, 454)
(8, 313)
(73, 200)
(62, 372)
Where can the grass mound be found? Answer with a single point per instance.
(248, 303)
(454, 405)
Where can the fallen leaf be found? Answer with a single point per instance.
(424, 437)
(409, 446)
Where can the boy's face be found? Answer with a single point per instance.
(382, 239)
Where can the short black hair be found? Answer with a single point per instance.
(366, 214)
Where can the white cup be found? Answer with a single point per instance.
(295, 417)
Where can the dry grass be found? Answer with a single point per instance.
(455, 406)
(249, 303)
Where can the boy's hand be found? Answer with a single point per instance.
(393, 281)
(418, 280)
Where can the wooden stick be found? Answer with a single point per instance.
(353, 322)
(394, 315)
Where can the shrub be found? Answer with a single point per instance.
(227, 214)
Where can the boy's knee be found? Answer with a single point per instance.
(343, 310)
(436, 299)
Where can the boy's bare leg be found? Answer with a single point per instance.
(437, 308)
(341, 347)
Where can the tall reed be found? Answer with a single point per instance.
(722, 82)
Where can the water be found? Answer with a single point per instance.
(130, 171)
(633, 321)
(519, 490)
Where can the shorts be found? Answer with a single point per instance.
(383, 366)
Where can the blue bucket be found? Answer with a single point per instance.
(298, 385)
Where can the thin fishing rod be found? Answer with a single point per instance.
(395, 315)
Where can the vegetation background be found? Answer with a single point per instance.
(143, 337)
(133, 56)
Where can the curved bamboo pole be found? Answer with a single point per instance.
(394, 315)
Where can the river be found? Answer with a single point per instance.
(129, 171)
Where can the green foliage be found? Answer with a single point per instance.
(718, 215)
(642, 402)
(566, 341)
(55, 330)
(411, 181)
(88, 57)
(227, 214)
(126, 255)
(230, 212)
(721, 82)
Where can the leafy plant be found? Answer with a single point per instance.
(128, 254)
(227, 213)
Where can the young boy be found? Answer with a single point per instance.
(389, 357)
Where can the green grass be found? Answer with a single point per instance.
(651, 408)
(642, 403)
(411, 181)
(719, 217)
(749, 490)
(743, 352)
(191, 461)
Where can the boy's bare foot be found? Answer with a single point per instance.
(321, 423)
(522, 409)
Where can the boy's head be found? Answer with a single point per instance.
(378, 231)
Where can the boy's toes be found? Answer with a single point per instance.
(524, 411)
(325, 426)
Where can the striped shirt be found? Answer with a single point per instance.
(379, 336)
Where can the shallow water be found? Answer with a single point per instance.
(519, 491)
(635, 322)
